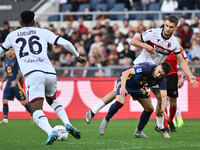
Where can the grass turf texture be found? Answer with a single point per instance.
(21, 135)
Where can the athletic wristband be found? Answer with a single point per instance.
(183, 76)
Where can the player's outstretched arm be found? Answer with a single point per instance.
(124, 77)
(68, 46)
(163, 103)
(186, 69)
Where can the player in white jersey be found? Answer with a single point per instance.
(157, 44)
(30, 45)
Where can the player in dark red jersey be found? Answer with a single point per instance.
(172, 88)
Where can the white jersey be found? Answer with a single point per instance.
(162, 46)
(30, 46)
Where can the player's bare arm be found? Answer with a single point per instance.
(14, 83)
(124, 77)
(164, 102)
(137, 42)
(186, 69)
(3, 80)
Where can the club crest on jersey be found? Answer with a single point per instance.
(138, 70)
(169, 45)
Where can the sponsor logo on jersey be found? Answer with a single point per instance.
(160, 50)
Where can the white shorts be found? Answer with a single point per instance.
(39, 85)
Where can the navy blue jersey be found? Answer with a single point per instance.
(143, 77)
(11, 68)
(136, 84)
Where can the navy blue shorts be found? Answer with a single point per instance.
(135, 93)
(11, 92)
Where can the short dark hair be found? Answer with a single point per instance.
(172, 19)
(27, 17)
(166, 67)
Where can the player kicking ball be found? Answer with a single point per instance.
(134, 81)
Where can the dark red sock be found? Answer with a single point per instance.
(172, 111)
(165, 121)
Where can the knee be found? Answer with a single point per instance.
(23, 102)
(5, 102)
(150, 109)
(119, 104)
(51, 99)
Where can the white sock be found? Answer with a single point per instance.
(159, 121)
(42, 121)
(60, 111)
(98, 106)
(178, 111)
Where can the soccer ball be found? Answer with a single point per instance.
(62, 132)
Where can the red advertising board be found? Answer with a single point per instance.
(81, 94)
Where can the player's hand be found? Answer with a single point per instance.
(149, 49)
(193, 81)
(1, 87)
(164, 114)
(81, 60)
(123, 91)
(13, 84)
(181, 82)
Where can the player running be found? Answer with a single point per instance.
(14, 85)
(134, 81)
(30, 45)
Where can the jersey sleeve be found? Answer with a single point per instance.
(147, 35)
(177, 48)
(51, 37)
(141, 69)
(163, 84)
(7, 43)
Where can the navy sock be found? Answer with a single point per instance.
(27, 108)
(113, 109)
(5, 110)
(144, 118)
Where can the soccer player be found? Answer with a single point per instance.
(172, 88)
(14, 85)
(30, 46)
(134, 81)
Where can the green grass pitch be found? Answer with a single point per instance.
(21, 135)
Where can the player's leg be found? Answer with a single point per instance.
(166, 121)
(35, 89)
(172, 93)
(20, 95)
(5, 112)
(106, 99)
(50, 93)
(179, 117)
(111, 112)
(144, 118)
(159, 117)
(172, 112)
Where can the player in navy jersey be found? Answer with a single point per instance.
(30, 46)
(14, 85)
(134, 81)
